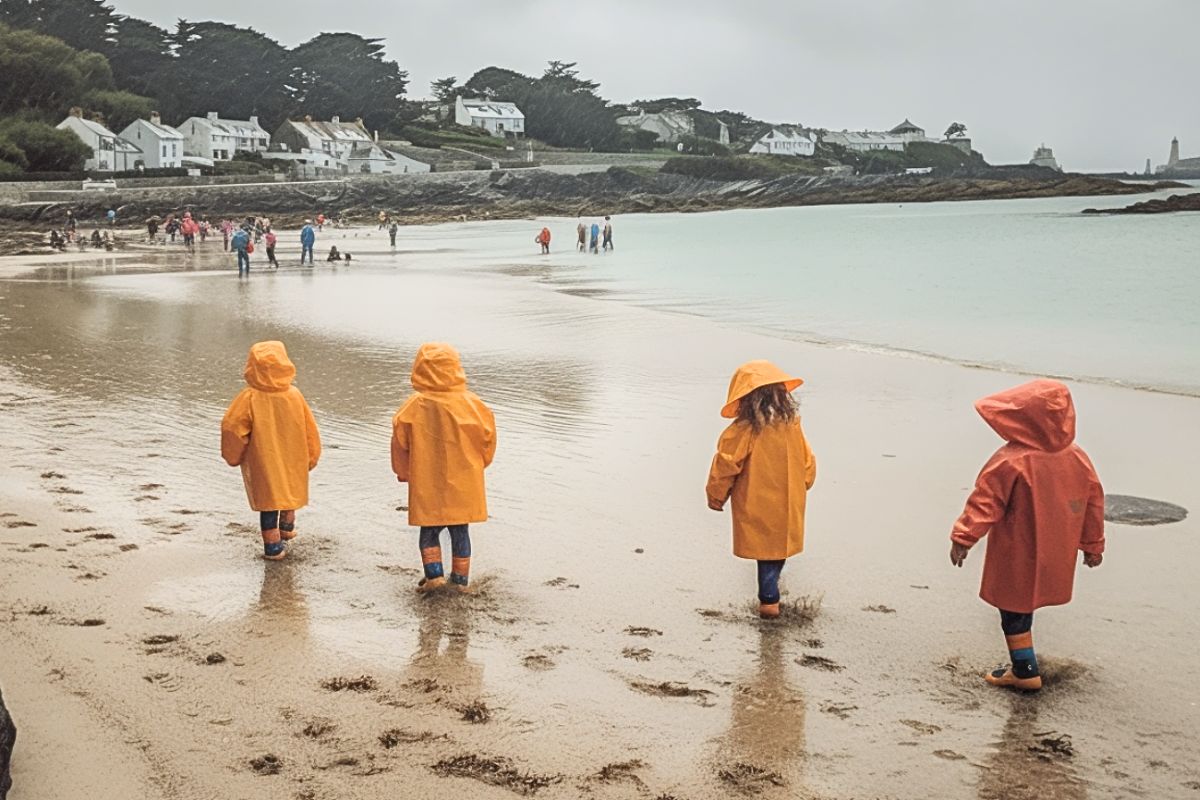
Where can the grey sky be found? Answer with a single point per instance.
(1106, 83)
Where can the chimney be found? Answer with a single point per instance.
(212, 116)
(76, 111)
(335, 119)
(376, 137)
(254, 120)
(155, 118)
(308, 117)
(358, 122)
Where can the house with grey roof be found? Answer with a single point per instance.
(110, 152)
(219, 139)
(496, 117)
(319, 148)
(161, 145)
(897, 138)
(785, 140)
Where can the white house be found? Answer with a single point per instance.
(335, 137)
(161, 145)
(669, 126)
(375, 160)
(219, 139)
(316, 147)
(785, 140)
(110, 153)
(897, 138)
(497, 118)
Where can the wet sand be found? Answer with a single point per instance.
(610, 651)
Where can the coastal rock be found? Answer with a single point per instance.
(8, 738)
(1126, 510)
(1176, 202)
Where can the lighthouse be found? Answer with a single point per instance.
(1174, 159)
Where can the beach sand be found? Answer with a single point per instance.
(610, 650)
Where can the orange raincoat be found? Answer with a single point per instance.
(768, 473)
(443, 438)
(1039, 496)
(269, 432)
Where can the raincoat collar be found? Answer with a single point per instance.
(1039, 414)
(268, 367)
(753, 375)
(438, 368)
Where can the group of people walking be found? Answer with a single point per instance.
(601, 238)
(1038, 497)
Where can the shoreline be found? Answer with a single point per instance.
(597, 464)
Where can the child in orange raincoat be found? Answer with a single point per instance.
(443, 438)
(765, 464)
(1041, 500)
(543, 238)
(269, 432)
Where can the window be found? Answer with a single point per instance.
(164, 151)
(174, 148)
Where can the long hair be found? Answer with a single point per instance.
(767, 405)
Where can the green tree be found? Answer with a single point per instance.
(667, 104)
(218, 67)
(956, 129)
(139, 56)
(46, 148)
(118, 108)
(43, 76)
(496, 83)
(83, 24)
(445, 89)
(347, 75)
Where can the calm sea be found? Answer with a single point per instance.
(1029, 285)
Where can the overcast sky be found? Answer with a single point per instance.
(1106, 83)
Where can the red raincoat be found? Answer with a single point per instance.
(1038, 496)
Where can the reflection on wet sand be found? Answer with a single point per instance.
(1029, 762)
(446, 618)
(765, 746)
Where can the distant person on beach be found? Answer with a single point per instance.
(581, 232)
(204, 226)
(269, 432)
(152, 228)
(595, 244)
(392, 229)
(226, 232)
(320, 222)
(383, 220)
(189, 229)
(334, 255)
(1042, 502)
(443, 438)
(608, 242)
(243, 247)
(308, 238)
(57, 242)
(765, 465)
(112, 217)
(543, 238)
(97, 239)
(271, 239)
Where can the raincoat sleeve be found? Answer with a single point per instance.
(235, 430)
(401, 437)
(313, 437)
(988, 502)
(810, 465)
(1092, 540)
(488, 419)
(732, 450)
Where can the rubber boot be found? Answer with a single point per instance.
(460, 574)
(431, 558)
(768, 610)
(273, 547)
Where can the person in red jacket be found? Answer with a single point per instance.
(543, 239)
(1039, 502)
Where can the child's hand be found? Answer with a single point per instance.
(1093, 559)
(715, 505)
(958, 553)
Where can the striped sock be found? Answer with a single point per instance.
(431, 557)
(460, 570)
(1020, 651)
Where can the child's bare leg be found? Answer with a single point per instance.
(431, 559)
(768, 588)
(460, 546)
(1018, 634)
(287, 525)
(273, 547)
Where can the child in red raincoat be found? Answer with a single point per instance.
(1039, 502)
(543, 239)
(765, 465)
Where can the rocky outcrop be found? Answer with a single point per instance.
(515, 194)
(8, 738)
(1128, 510)
(1176, 202)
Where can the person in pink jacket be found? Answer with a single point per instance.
(1039, 502)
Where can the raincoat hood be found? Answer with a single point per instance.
(437, 368)
(1039, 414)
(268, 367)
(753, 375)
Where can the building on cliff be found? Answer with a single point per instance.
(327, 148)
(785, 140)
(161, 145)
(110, 152)
(1044, 157)
(220, 139)
(497, 118)
(897, 138)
